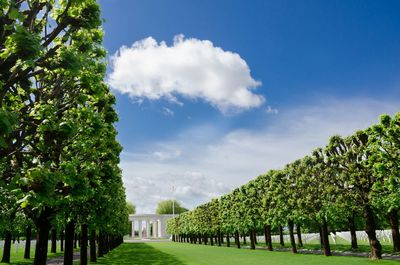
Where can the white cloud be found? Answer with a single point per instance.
(191, 68)
(168, 112)
(211, 165)
(271, 110)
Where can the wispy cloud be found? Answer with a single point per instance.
(191, 68)
(271, 110)
(168, 112)
(210, 165)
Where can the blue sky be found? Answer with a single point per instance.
(325, 67)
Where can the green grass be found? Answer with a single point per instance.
(17, 257)
(170, 253)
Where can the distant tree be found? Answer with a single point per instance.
(131, 207)
(165, 207)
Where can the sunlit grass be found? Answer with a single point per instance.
(17, 255)
(183, 253)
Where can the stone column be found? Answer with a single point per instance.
(159, 228)
(147, 228)
(140, 229)
(155, 228)
(133, 228)
(162, 227)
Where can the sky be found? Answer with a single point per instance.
(213, 93)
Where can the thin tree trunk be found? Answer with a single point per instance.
(370, 229)
(244, 239)
(281, 241)
(53, 241)
(219, 238)
(211, 241)
(325, 238)
(102, 243)
(292, 241)
(7, 247)
(255, 237)
(394, 224)
(75, 241)
(352, 228)
(321, 238)
(300, 241)
(228, 243)
(69, 243)
(252, 241)
(28, 234)
(237, 239)
(92, 242)
(62, 241)
(84, 242)
(43, 230)
(267, 235)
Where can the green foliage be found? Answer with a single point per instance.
(131, 208)
(58, 148)
(170, 206)
(353, 177)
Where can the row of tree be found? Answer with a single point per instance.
(58, 151)
(351, 182)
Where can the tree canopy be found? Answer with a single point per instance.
(170, 206)
(58, 151)
(351, 179)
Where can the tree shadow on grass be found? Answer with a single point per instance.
(138, 254)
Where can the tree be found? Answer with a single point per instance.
(385, 160)
(351, 156)
(57, 139)
(169, 207)
(131, 207)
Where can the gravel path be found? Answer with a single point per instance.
(335, 253)
(60, 260)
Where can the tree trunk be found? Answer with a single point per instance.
(268, 239)
(252, 241)
(244, 239)
(28, 234)
(53, 241)
(281, 241)
(325, 238)
(321, 238)
(219, 238)
(62, 241)
(92, 241)
(107, 245)
(237, 237)
(7, 247)
(394, 224)
(228, 242)
(352, 228)
(84, 242)
(43, 229)
(75, 241)
(211, 241)
(102, 243)
(292, 241)
(69, 243)
(255, 237)
(370, 229)
(299, 239)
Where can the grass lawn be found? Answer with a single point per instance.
(17, 257)
(170, 253)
